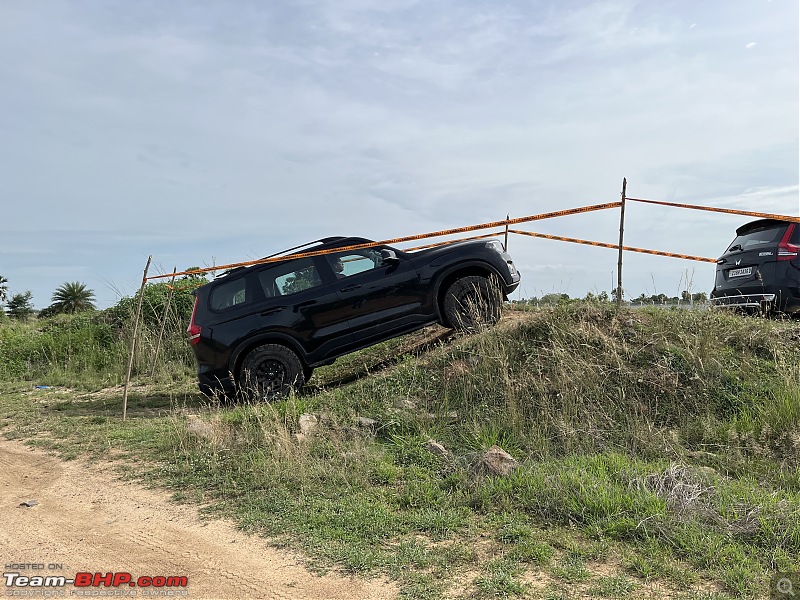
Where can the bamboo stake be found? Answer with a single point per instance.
(133, 341)
(163, 321)
(621, 231)
(505, 243)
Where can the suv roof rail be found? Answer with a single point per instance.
(321, 241)
(326, 240)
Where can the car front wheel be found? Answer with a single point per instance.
(271, 371)
(471, 303)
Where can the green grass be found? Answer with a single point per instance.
(660, 445)
(617, 586)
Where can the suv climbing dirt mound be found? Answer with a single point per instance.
(262, 329)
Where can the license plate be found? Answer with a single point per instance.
(740, 272)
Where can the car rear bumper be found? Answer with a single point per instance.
(756, 301)
(214, 382)
(768, 298)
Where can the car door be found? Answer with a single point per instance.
(301, 301)
(379, 298)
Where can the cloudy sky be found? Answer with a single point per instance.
(213, 132)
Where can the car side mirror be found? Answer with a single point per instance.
(389, 257)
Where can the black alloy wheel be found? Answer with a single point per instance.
(271, 371)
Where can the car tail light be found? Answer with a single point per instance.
(787, 251)
(194, 329)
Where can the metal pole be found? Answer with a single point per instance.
(621, 231)
(133, 341)
(163, 321)
(505, 243)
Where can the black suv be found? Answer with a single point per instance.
(760, 270)
(264, 328)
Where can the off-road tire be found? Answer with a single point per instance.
(471, 304)
(271, 371)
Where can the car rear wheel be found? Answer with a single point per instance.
(271, 371)
(472, 303)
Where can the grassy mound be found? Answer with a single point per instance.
(658, 455)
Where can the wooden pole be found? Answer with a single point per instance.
(163, 321)
(133, 341)
(621, 231)
(505, 243)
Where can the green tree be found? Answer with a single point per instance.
(72, 297)
(554, 298)
(20, 306)
(301, 280)
(3, 289)
(155, 301)
(601, 297)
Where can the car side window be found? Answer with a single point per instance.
(289, 278)
(350, 263)
(229, 294)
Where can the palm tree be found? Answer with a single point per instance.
(72, 297)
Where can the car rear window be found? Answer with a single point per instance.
(289, 278)
(796, 235)
(767, 234)
(228, 294)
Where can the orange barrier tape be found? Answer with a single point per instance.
(731, 211)
(559, 213)
(612, 246)
(477, 237)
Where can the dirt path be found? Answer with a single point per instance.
(88, 520)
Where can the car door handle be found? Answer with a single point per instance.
(350, 288)
(272, 311)
(302, 305)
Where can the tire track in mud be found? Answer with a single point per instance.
(89, 520)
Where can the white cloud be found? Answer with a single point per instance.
(191, 131)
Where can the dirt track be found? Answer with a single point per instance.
(88, 520)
